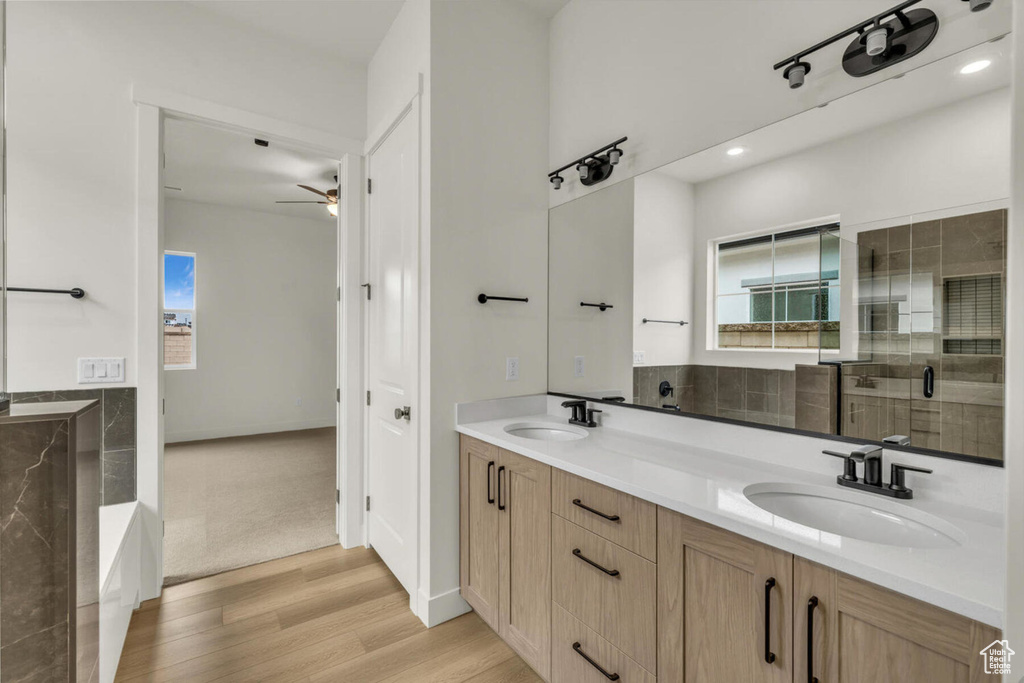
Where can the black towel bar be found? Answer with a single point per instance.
(603, 306)
(484, 298)
(668, 322)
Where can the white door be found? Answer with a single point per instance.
(392, 472)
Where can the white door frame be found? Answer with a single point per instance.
(153, 108)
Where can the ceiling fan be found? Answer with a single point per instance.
(331, 197)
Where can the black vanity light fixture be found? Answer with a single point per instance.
(593, 168)
(885, 39)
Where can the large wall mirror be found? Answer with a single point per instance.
(840, 272)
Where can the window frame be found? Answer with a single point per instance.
(191, 311)
(821, 226)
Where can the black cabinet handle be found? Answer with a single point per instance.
(811, 604)
(501, 505)
(610, 518)
(490, 496)
(929, 381)
(769, 656)
(579, 650)
(609, 572)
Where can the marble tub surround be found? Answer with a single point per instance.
(49, 545)
(700, 468)
(117, 461)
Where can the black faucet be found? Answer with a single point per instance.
(581, 415)
(871, 456)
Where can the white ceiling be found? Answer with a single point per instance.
(930, 86)
(216, 166)
(348, 29)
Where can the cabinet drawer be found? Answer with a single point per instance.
(635, 522)
(577, 652)
(608, 588)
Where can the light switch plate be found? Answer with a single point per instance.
(100, 370)
(638, 358)
(511, 369)
(578, 366)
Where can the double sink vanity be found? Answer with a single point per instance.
(602, 553)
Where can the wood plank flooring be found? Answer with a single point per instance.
(326, 615)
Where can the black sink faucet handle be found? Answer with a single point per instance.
(849, 464)
(897, 480)
(590, 416)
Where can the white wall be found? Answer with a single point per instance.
(918, 175)
(592, 260)
(1013, 628)
(488, 232)
(662, 268)
(71, 130)
(678, 77)
(265, 323)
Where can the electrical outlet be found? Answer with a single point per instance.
(511, 369)
(578, 366)
(298, 402)
(638, 358)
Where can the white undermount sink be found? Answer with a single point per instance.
(853, 514)
(546, 431)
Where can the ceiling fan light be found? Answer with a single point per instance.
(332, 209)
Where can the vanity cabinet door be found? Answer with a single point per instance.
(714, 588)
(479, 528)
(524, 504)
(863, 633)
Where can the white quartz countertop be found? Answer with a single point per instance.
(708, 485)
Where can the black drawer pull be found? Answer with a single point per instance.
(811, 604)
(501, 505)
(490, 496)
(769, 656)
(609, 572)
(591, 662)
(610, 518)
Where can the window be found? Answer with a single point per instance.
(179, 310)
(779, 291)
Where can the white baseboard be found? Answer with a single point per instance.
(440, 608)
(247, 430)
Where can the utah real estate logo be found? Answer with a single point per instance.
(997, 657)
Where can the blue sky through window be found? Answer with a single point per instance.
(179, 281)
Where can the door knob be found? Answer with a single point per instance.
(404, 412)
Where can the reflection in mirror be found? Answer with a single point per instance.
(839, 272)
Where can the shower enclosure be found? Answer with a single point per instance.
(924, 360)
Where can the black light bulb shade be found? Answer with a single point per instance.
(614, 155)
(556, 181)
(584, 170)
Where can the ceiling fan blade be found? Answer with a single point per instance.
(309, 202)
(313, 189)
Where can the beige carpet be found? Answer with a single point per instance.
(234, 502)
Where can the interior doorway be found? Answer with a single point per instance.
(250, 349)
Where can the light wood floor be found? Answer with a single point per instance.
(324, 615)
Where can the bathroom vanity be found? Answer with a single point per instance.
(604, 552)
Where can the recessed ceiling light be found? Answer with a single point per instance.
(735, 151)
(975, 67)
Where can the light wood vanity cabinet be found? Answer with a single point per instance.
(587, 583)
(717, 594)
(862, 633)
(505, 548)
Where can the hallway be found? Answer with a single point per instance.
(326, 615)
